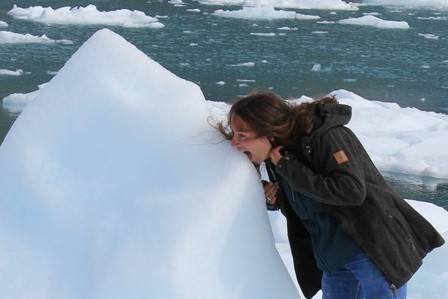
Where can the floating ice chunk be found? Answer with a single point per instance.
(114, 185)
(88, 15)
(429, 36)
(288, 28)
(296, 4)
(263, 12)
(408, 3)
(246, 64)
(5, 72)
(7, 37)
(316, 68)
(375, 22)
(263, 34)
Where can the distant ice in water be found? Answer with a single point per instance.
(373, 21)
(7, 37)
(246, 80)
(5, 72)
(263, 12)
(408, 3)
(297, 4)
(263, 34)
(245, 64)
(85, 16)
(318, 68)
(429, 36)
(288, 28)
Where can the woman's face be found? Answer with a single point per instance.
(244, 139)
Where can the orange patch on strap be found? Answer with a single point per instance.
(340, 157)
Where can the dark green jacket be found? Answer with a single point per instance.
(334, 169)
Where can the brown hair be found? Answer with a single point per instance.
(269, 115)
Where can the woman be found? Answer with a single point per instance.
(350, 234)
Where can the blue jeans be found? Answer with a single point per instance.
(359, 279)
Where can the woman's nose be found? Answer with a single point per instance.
(234, 141)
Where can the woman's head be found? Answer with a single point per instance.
(256, 122)
(263, 112)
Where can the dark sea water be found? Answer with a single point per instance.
(390, 65)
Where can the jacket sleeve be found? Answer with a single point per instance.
(334, 174)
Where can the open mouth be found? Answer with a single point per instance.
(248, 154)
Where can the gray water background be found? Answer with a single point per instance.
(389, 65)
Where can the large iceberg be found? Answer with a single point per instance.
(114, 185)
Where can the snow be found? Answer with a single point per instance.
(114, 185)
